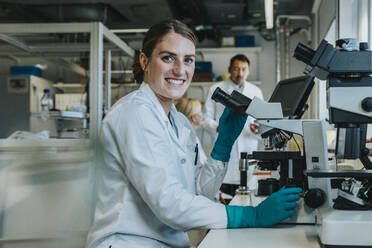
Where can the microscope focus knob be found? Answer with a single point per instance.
(367, 104)
(314, 198)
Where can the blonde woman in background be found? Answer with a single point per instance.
(192, 109)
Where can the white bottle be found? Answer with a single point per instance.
(46, 101)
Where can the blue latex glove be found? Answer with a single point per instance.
(276, 208)
(230, 126)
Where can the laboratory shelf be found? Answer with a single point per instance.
(62, 115)
(229, 50)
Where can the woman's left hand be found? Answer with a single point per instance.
(230, 126)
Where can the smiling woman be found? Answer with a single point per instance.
(170, 68)
(152, 184)
(167, 61)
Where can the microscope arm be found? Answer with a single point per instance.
(259, 109)
(292, 126)
(241, 104)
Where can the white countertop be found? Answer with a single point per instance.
(286, 236)
(281, 236)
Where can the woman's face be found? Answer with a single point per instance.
(170, 68)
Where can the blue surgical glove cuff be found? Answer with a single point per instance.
(240, 217)
(221, 151)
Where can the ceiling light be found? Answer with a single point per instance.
(269, 14)
(133, 30)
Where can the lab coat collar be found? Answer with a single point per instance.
(234, 86)
(146, 89)
(183, 131)
(173, 111)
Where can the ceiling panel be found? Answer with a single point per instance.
(214, 14)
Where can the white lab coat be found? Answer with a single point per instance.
(149, 192)
(247, 141)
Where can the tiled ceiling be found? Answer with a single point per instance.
(210, 15)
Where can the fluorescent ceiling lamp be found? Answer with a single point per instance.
(133, 30)
(269, 14)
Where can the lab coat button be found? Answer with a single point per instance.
(183, 161)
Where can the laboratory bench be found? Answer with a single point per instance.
(286, 236)
(304, 236)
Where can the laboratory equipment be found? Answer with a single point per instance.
(26, 107)
(267, 186)
(21, 96)
(277, 131)
(340, 198)
(347, 70)
(243, 168)
(291, 95)
(242, 104)
(46, 101)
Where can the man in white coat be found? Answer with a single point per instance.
(248, 139)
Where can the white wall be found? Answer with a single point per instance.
(325, 15)
(262, 62)
(322, 84)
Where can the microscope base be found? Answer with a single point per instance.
(345, 228)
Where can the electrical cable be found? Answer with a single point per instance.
(288, 137)
(298, 146)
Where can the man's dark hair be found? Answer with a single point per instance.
(240, 57)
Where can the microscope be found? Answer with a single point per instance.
(340, 199)
(347, 69)
(279, 120)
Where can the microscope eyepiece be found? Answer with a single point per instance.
(231, 102)
(304, 53)
(221, 96)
